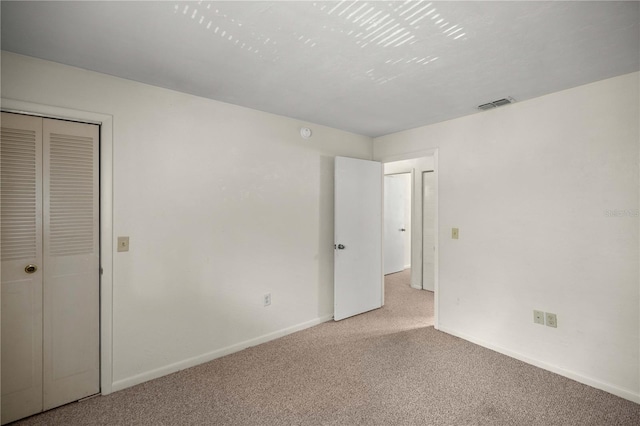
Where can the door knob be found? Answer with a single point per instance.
(340, 247)
(30, 268)
(402, 229)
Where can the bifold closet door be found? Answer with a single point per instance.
(50, 263)
(22, 272)
(71, 262)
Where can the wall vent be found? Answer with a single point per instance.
(495, 104)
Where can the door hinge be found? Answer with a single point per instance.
(101, 270)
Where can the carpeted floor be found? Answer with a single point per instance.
(385, 367)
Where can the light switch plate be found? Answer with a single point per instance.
(123, 243)
(454, 233)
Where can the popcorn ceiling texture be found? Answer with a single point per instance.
(385, 367)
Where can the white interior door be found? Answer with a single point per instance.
(428, 230)
(50, 311)
(71, 262)
(394, 227)
(358, 280)
(21, 229)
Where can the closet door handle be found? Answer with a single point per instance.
(30, 268)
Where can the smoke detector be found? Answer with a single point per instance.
(305, 132)
(495, 104)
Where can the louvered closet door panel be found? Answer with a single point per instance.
(21, 230)
(71, 241)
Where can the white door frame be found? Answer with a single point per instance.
(106, 218)
(422, 242)
(433, 152)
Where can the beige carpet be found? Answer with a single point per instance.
(386, 367)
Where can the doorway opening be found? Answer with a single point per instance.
(421, 234)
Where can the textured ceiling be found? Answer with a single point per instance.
(368, 67)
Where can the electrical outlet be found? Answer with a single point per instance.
(454, 233)
(123, 243)
(538, 317)
(267, 299)
(552, 320)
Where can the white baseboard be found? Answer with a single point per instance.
(416, 287)
(200, 359)
(622, 393)
(407, 266)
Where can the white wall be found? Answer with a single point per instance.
(222, 204)
(416, 167)
(532, 187)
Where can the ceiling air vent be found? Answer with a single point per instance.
(497, 103)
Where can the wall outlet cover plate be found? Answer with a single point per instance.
(551, 320)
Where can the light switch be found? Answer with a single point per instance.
(454, 233)
(123, 243)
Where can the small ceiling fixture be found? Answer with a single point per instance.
(305, 132)
(495, 104)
